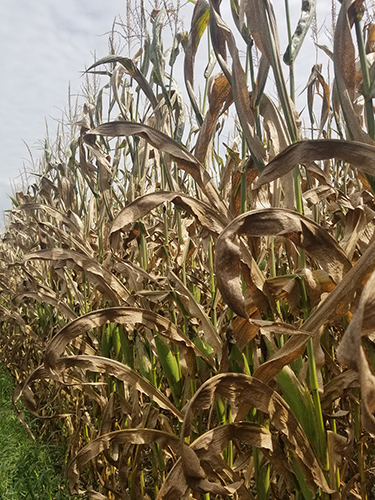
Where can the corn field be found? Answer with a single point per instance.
(192, 316)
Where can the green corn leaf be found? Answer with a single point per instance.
(170, 367)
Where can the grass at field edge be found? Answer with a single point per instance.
(28, 470)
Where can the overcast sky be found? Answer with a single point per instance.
(44, 47)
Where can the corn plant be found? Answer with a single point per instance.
(194, 313)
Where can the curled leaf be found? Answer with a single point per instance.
(220, 98)
(116, 369)
(120, 438)
(121, 315)
(164, 143)
(188, 473)
(334, 306)
(351, 352)
(245, 390)
(357, 154)
(105, 280)
(203, 212)
(131, 69)
(272, 222)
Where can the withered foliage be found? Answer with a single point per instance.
(195, 318)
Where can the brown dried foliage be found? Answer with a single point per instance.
(188, 336)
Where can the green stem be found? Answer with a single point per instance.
(314, 386)
(281, 89)
(337, 472)
(299, 206)
(144, 258)
(313, 379)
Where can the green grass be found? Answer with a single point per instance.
(28, 470)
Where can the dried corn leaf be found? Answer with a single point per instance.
(206, 448)
(74, 243)
(122, 437)
(221, 36)
(219, 98)
(263, 27)
(345, 70)
(335, 388)
(195, 476)
(41, 373)
(157, 54)
(105, 280)
(164, 143)
(74, 225)
(290, 352)
(245, 390)
(316, 79)
(7, 314)
(272, 222)
(121, 315)
(333, 307)
(317, 194)
(204, 213)
(44, 298)
(243, 331)
(359, 155)
(338, 447)
(261, 21)
(213, 443)
(116, 369)
(274, 126)
(351, 353)
(324, 114)
(356, 222)
(312, 82)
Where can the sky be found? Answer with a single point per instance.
(44, 48)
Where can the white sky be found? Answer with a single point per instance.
(44, 46)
